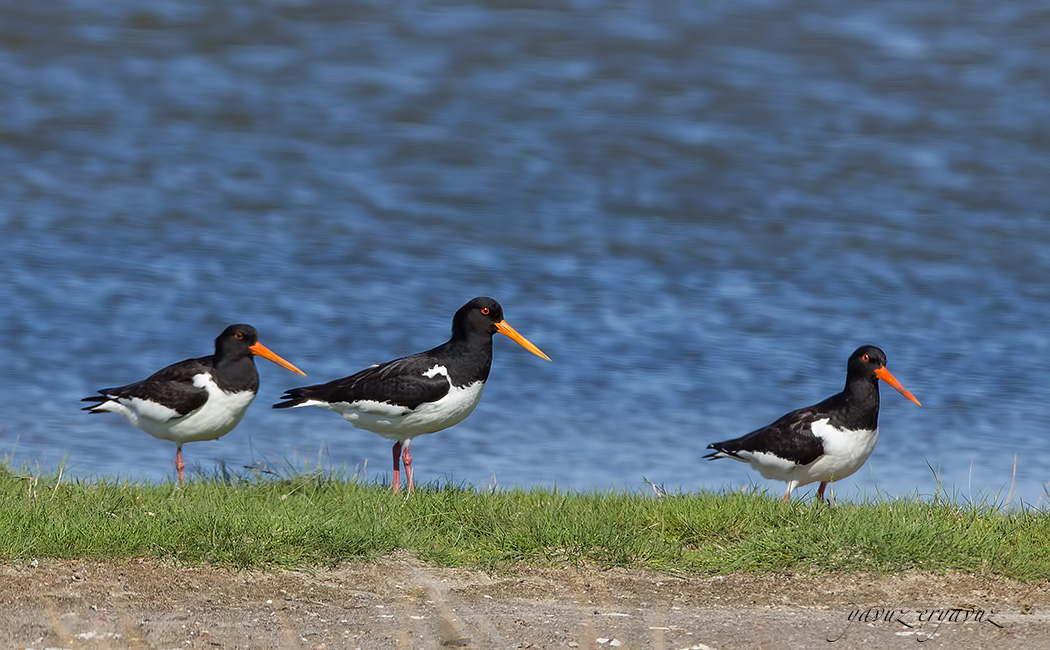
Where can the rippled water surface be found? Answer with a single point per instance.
(698, 210)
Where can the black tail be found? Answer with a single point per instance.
(720, 451)
(98, 399)
(293, 397)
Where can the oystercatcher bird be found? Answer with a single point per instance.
(421, 393)
(195, 399)
(824, 442)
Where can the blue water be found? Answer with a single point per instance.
(698, 210)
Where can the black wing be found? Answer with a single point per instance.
(171, 386)
(790, 437)
(399, 382)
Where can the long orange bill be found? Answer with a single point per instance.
(266, 353)
(507, 330)
(885, 376)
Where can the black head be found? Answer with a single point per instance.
(241, 340)
(480, 316)
(236, 340)
(484, 316)
(865, 361)
(869, 363)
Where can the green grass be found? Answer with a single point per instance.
(316, 520)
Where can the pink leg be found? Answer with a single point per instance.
(407, 457)
(820, 491)
(397, 466)
(180, 466)
(787, 493)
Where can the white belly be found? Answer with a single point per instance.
(844, 453)
(400, 423)
(219, 415)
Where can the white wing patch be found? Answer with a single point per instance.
(437, 370)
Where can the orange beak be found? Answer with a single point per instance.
(265, 353)
(885, 376)
(507, 330)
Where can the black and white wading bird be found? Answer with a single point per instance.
(421, 393)
(824, 442)
(195, 399)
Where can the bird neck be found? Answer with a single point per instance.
(471, 354)
(236, 372)
(861, 402)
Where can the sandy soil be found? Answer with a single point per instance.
(401, 603)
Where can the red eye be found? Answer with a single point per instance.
(865, 358)
(238, 335)
(485, 310)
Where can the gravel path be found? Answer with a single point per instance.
(401, 603)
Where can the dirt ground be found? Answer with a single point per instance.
(401, 603)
